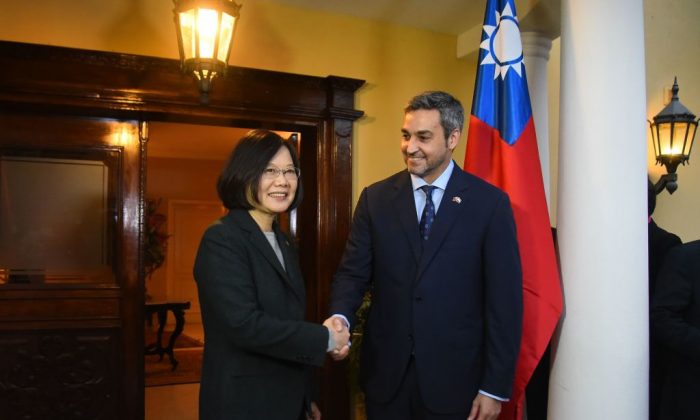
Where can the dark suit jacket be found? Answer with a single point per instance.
(258, 348)
(455, 301)
(660, 242)
(676, 325)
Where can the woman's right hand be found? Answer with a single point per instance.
(341, 337)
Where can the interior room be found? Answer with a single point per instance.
(184, 161)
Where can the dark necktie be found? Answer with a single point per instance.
(428, 216)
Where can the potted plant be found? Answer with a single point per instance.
(155, 242)
(357, 397)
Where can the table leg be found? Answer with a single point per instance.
(162, 320)
(179, 326)
(178, 310)
(157, 347)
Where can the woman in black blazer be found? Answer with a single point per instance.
(258, 349)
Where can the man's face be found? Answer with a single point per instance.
(425, 149)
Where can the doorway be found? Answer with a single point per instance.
(182, 166)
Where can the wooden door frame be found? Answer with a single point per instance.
(45, 80)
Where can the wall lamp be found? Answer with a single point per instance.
(672, 132)
(205, 31)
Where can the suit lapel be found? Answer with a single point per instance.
(260, 243)
(405, 206)
(453, 200)
(291, 260)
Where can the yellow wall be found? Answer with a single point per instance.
(178, 179)
(672, 39)
(397, 62)
(553, 98)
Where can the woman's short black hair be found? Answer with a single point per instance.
(237, 185)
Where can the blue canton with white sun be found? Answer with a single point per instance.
(501, 98)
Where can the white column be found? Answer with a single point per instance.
(601, 353)
(536, 48)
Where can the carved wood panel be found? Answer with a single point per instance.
(74, 337)
(69, 375)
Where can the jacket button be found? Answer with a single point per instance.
(419, 299)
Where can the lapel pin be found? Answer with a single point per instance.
(456, 200)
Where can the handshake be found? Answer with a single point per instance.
(339, 337)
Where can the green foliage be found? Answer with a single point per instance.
(155, 239)
(358, 330)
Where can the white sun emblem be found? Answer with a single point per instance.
(502, 44)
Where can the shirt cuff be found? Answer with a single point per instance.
(347, 323)
(501, 399)
(331, 342)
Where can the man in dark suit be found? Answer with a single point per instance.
(443, 332)
(660, 242)
(675, 317)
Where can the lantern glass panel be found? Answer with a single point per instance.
(225, 34)
(207, 24)
(691, 135)
(187, 31)
(654, 139)
(680, 130)
(665, 145)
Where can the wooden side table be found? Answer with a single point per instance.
(161, 309)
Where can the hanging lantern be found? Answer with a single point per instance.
(205, 30)
(672, 132)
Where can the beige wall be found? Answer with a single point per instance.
(178, 179)
(396, 62)
(672, 41)
(553, 97)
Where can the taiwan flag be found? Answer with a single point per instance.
(502, 149)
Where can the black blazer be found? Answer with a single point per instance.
(660, 242)
(455, 301)
(675, 319)
(258, 348)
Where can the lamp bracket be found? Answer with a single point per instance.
(669, 182)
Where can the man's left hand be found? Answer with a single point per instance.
(484, 408)
(315, 412)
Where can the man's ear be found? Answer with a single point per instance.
(453, 139)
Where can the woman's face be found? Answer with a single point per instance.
(278, 183)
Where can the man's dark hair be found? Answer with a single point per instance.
(450, 109)
(237, 185)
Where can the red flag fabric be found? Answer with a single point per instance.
(502, 149)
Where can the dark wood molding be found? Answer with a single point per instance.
(40, 84)
(151, 88)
